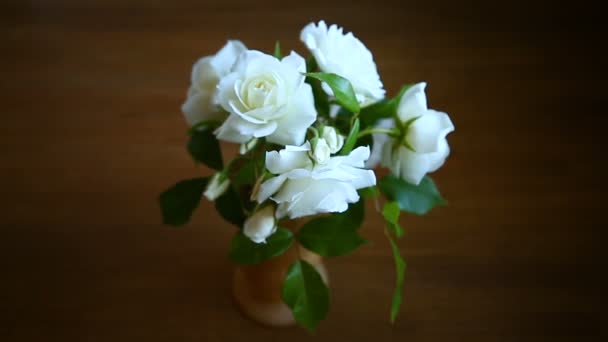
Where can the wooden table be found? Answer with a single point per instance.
(91, 133)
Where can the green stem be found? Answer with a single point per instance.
(389, 131)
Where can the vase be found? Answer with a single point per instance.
(257, 288)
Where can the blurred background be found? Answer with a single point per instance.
(91, 133)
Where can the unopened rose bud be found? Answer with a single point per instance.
(334, 140)
(217, 186)
(320, 152)
(260, 225)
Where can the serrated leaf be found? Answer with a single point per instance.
(382, 109)
(336, 234)
(277, 50)
(179, 202)
(205, 148)
(391, 212)
(246, 252)
(400, 267)
(341, 87)
(306, 294)
(350, 141)
(416, 199)
(229, 207)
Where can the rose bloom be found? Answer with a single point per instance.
(302, 187)
(423, 146)
(344, 55)
(266, 98)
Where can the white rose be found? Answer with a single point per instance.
(321, 152)
(260, 225)
(302, 188)
(201, 103)
(423, 147)
(217, 186)
(334, 140)
(345, 55)
(266, 98)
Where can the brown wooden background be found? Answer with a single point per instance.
(91, 133)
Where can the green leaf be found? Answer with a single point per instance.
(229, 207)
(179, 202)
(311, 64)
(369, 192)
(366, 140)
(320, 97)
(246, 252)
(205, 148)
(382, 109)
(391, 212)
(415, 199)
(343, 90)
(400, 267)
(336, 234)
(350, 141)
(246, 175)
(277, 50)
(306, 294)
(354, 215)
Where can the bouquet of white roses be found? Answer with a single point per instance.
(310, 133)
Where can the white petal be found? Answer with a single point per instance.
(269, 187)
(300, 115)
(334, 202)
(437, 159)
(425, 133)
(356, 158)
(286, 160)
(362, 178)
(199, 107)
(379, 140)
(413, 103)
(244, 60)
(292, 190)
(227, 56)
(413, 166)
(320, 197)
(295, 61)
(226, 94)
(237, 130)
(203, 71)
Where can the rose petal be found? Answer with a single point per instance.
(427, 131)
(413, 103)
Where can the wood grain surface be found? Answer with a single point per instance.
(91, 133)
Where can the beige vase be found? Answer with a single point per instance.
(257, 288)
